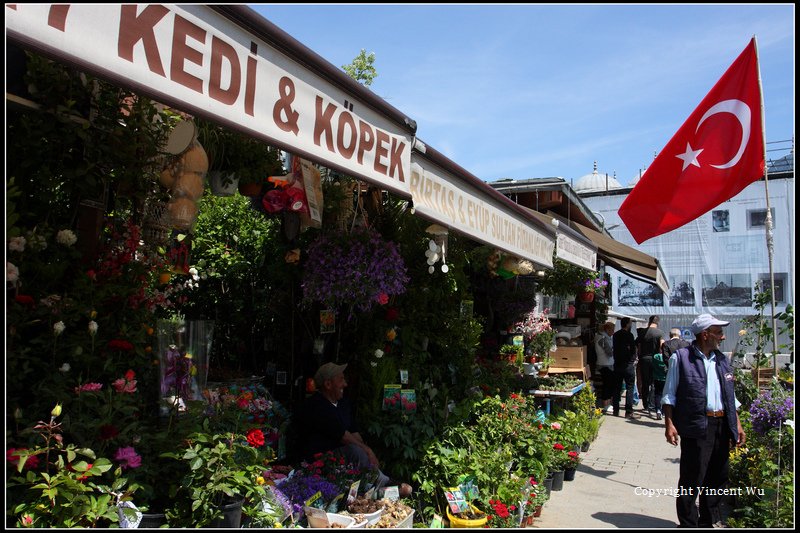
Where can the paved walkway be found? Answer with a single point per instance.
(629, 458)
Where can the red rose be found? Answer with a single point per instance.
(23, 299)
(255, 438)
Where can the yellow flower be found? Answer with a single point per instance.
(742, 332)
(391, 334)
(56, 410)
(260, 480)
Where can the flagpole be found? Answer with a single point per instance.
(770, 242)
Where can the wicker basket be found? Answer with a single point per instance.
(155, 226)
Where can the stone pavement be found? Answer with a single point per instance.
(615, 484)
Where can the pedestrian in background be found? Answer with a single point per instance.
(649, 344)
(700, 406)
(603, 347)
(660, 362)
(624, 348)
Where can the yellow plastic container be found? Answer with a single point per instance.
(456, 522)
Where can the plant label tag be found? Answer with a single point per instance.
(353, 494)
(391, 493)
(316, 517)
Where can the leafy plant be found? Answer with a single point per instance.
(62, 485)
(222, 468)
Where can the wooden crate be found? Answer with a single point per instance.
(568, 359)
(764, 375)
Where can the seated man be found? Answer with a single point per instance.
(327, 423)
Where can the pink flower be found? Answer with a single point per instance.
(128, 458)
(88, 387)
(124, 385)
(555, 425)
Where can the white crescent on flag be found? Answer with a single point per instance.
(742, 113)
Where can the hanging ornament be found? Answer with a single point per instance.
(437, 247)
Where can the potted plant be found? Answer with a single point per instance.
(513, 354)
(237, 159)
(590, 286)
(225, 472)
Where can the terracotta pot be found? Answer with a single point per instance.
(537, 511)
(250, 189)
(586, 296)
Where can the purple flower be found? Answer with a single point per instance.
(355, 267)
(767, 412)
(298, 489)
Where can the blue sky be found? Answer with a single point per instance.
(531, 91)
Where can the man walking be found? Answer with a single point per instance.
(649, 345)
(624, 366)
(700, 406)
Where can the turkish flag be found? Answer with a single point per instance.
(717, 152)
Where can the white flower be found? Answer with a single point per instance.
(193, 271)
(66, 237)
(378, 353)
(58, 328)
(374, 364)
(789, 423)
(12, 272)
(92, 328)
(64, 368)
(17, 244)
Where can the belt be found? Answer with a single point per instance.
(715, 414)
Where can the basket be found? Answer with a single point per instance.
(456, 522)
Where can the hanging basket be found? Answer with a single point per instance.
(155, 226)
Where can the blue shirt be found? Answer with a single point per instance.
(713, 391)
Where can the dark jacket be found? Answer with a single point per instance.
(689, 411)
(322, 424)
(624, 348)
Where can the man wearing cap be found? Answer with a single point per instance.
(699, 404)
(327, 423)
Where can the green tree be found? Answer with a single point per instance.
(362, 68)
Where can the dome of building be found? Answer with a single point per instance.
(634, 180)
(596, 182)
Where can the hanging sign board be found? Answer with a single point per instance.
(194, 58)
(462, 207)
(572, 251)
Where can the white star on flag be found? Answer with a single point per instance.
(689, 157)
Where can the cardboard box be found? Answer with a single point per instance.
(568, 359)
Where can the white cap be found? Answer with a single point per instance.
(705, 321)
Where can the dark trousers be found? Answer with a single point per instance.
(625, 374)
(658, 392)
(646, 366)
(704, 465)
(609, 382)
